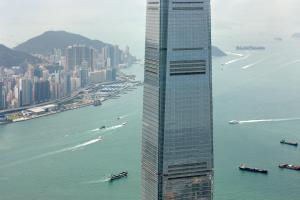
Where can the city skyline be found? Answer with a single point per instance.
(149, 99)
(60, 74)
(177, 140)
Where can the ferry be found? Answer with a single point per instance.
(243, 167)
(234, 122)
(118, 176)
(289, 143)
(291, 167)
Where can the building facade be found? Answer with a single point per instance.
(177, 142)
(2, 98)
(26, 94)
(79, 56)
(42, 91)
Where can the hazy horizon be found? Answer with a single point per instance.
(21, 21)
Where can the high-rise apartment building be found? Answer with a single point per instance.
(79, 56)
(2, 99)
(67, 84)
(84, 77)
(25, 92)
(177, 142)
(42, 91)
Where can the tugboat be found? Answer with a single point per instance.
(289, 143)
(243, 167)
(118, 176)
(291, 167)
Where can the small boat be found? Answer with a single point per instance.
(243, 167)
(289, 143)
(291, 167)
(234, 122)
(103, 127)
(124, 124)
(118, 176)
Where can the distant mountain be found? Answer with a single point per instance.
(296, 36)
(45, 43)
(216, 52)
(10, 57)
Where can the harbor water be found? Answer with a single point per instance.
(69, 157)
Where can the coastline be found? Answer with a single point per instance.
(127, 80)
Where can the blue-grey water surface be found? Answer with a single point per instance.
(61, 157)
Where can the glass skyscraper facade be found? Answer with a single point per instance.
(177, 142)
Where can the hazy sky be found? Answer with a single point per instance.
(122, 21)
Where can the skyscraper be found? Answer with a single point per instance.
(42, 91)
(25, 89)
(84, 77)
(177, 143)
(79, 55)
(2, 99)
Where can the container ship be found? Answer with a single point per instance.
(291, 167)
(289, 143)
(243, 167)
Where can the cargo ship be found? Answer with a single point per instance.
(118, 176)
(243, 167)
(289, 143)
(291, 167)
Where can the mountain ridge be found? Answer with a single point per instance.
(10, 57)
(44, 43)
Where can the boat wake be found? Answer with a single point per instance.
(253, 64)
(235, 54)
(103, 180)
(122, 117)
(109, 128)
(95, 130)
(74, 148)
(236, 60)
(115, 127)
(84, 144)
(267, 120)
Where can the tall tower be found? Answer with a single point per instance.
(177, 142)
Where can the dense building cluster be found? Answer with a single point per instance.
(61, 73)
